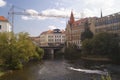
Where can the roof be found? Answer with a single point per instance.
(78, 22)
(2, 18)
(52, 32)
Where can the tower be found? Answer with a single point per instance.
(71, 21)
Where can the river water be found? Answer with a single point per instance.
(58, 70)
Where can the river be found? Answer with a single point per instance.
(58, 70)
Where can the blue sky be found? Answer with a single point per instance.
(34, 25)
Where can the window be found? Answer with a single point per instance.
(0, 26)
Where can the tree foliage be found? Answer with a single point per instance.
(86, 46)
(106, 44)
(16, 49)
(87, 34)
(72, 52)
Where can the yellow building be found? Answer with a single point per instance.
(52, 37)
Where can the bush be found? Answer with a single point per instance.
(17, 49)
(72, 52)
(105, 44)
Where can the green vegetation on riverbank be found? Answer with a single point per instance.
(102, 44)
(2, 73)
(72, 52)
(17, 49)
(102, 47)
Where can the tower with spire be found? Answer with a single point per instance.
(71, 21)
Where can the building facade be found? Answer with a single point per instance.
(54, 37)
(110, 23)
(5, 26)
(36, 40)
(75, 28)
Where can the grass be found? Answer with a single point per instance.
(106, 77)
(2, 73)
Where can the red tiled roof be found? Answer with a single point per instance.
(80, 21)
(2, 18)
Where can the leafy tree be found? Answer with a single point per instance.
(17, 49)
(72, 52)
(87, 34)
(86, 46)
(105, 44)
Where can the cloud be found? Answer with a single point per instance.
(63, 22)
(49, 14)
(88, 8)
(32, 15)
(92, 7)
(52, 27)
(58, 4)
(26, 18)
(31, 11)
(2, 3)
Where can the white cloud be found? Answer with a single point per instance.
(31, 11)
(26, 18)
(52, 27)
(58, 4)
(49, 14)
(2, 3)
(63, 22)
(88, 8)
(93, 7)
(32, 15)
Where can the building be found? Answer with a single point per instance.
(5, 26)
(36, 40)
(75, 28)
(54, 37)
(110, 23)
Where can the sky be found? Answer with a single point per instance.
(35, 25)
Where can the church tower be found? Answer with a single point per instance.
(71, 21)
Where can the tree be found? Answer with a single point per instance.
(17, 49)
(86, 46)
(103, 44)
(72, 52)
(87, 34)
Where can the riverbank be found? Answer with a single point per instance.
(1, 73)
(96, 58)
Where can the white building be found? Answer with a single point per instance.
(52, 37)
(5, 25)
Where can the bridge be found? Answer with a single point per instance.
(52, 50)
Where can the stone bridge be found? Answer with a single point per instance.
(52, 50)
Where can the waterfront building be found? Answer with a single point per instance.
(36, 40)
(53, 37)
(5, 26)
(110, 23)
(75, 28)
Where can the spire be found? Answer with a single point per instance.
(71, 18)
(101, 13)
